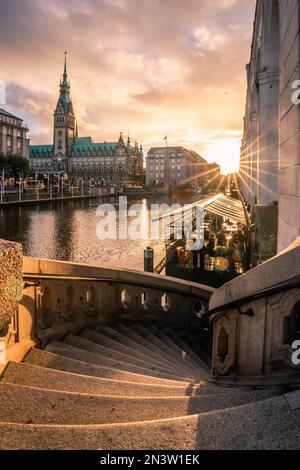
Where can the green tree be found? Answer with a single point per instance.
(14, 166)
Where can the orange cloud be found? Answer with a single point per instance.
(173, 67)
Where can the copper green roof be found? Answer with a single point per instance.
(82, 146)
(39, 149)
(86, 144)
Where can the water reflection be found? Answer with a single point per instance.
(67, 231)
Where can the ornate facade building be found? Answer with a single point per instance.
(13, 135)
(175, 167)
(80, 158)
(270, 160)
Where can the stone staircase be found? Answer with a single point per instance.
(136, 387)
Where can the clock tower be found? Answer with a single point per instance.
(64, 119)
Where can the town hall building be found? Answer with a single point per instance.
(80, 158)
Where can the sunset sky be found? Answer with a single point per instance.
(153, 67)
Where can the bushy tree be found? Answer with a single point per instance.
(14, 166)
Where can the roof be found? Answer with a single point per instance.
(191, 154)
(167, 149)
(81, 145)
(41, 148)
(84, 144)
(219, 204)
(84, 141)
(227, 207)
(6, 113)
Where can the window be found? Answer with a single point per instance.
(9, 143)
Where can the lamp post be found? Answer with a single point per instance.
(50, 188)
(2, 185)
(20, 187)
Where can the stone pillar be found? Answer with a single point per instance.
(254, 174)
(11, 284)
(268, 156)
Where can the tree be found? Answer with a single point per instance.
(14, 166)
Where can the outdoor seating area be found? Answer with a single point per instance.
(225, 253)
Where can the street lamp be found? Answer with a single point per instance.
(2, 185)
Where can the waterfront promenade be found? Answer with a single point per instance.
(15, 198)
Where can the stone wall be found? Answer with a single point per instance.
(270, 158)
(255, 337)
(289, 162)
(10, 281)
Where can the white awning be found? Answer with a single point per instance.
(220, 204)
(227, 207)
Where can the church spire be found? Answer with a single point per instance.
(64, 93)
(65, 76)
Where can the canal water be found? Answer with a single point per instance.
(68, 231)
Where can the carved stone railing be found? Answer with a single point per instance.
(61, 297)
(256, 323)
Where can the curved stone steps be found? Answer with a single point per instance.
(105, 352)
(51, 379)
(185, 347)
(133, 351)
(109, 353)
(182, 351)
(199, 344)
(170, 349)
(96, 359)
(128, 341)
(130, 388)
(62, 362)
(31, 405)
(265, 425)
(103, 340)
(153, 347)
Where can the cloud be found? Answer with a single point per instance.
(151, 66)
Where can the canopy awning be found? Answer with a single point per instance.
(220, 204)
(227, 207)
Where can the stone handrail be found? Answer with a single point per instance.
(256, 323)
(62, 296)
(44, 299)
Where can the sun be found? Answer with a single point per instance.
(225, 152)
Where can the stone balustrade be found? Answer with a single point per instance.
(255, 317)
(256, 321)
(61, 297)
